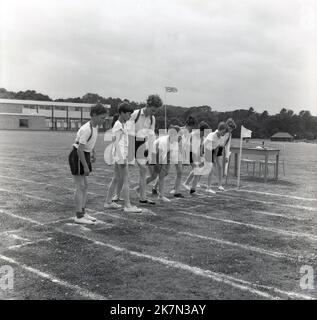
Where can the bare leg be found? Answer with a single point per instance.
(142, 181)
(85, 191)
(79, 191)
(219, 169)
(114, 183)
(179, 171)
(125, 187)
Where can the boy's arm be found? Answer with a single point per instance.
(81, 155)
(93, 155)
(227, 149)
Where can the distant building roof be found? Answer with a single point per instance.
(50, 103)
(21, 114)
(282, 135)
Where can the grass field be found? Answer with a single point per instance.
(246, 244)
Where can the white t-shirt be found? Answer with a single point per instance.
(120, 148)
(143, 127)
(212, 141)
(83, 135)
(163, 144)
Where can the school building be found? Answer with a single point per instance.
(46, 115)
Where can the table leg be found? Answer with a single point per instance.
(277, 163)
(265, 168)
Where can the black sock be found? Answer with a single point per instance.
(79, 214)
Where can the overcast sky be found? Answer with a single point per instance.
(224, 53)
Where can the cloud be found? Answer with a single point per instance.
(226, 54)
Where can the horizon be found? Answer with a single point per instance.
(223, 54)
(168, 105)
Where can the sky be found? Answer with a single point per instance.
(227, 54)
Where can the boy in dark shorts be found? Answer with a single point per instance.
(80, 160)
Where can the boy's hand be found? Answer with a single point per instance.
(226, 160)
(86, 171)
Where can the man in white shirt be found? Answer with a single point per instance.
(141, 128)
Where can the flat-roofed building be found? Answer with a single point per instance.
(21, 121)
(57, 115)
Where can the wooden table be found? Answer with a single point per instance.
(262, 152)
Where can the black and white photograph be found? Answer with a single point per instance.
(158, 151)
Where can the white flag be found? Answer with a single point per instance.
(245, 133)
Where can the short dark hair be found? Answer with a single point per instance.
(222, 125)
(203, 126)
(231, 124)
(191, 121)
(174, 127)
(98, 109)
(154, 100)
(125, 107)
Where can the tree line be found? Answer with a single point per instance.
(263, 125)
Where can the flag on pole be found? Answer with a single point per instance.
(245, 133)
(170, 89)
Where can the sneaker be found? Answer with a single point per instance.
(164, 199)
(132, 209)
(172, 191)
(221, 188)
(83, 220)
(87, 216)
(178, 195)
(112, 205)
(186, 186)
(116, 199)
(210, 191)
(147, 201)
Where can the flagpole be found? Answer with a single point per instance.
(240, 157)
(165, 110)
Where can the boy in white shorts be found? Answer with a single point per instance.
(160, 165)
(211, 146)
(120, 158)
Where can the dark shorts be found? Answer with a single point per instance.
(76, 167)
(217, 153)
(138, 144)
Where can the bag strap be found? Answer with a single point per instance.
(91, 131)
(138, 116)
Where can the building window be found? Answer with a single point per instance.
(77, 108)
(23, 123)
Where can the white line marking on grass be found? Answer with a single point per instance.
(280, 231)
(18, 246)
(280, 215)
(275, 195)
(219, 277)
(78, 290)
(269, 202)
(254, 226)
(22, 218)
(17, 237)
(224, 194)
(274, 254)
